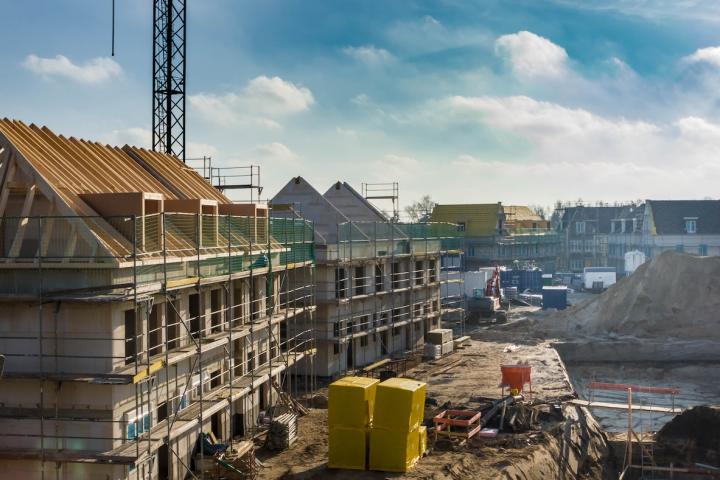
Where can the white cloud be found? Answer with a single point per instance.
(360, 100)
(96, 70)
(572, 153)
(370, 55)
(428, 34)
(394, 167)
(530, 55)
(544, 122)
(707, 55)
(134, 136)
(275, 152)
(199, 150)
(259, 103)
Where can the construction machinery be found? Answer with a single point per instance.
(488, 303)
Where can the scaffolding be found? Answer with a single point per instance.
(381, 277)
(383, 191)
(243, 177)
(175, 324)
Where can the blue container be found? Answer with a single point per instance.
(522, 279)
(554, 297)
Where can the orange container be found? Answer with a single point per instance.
(516, 376)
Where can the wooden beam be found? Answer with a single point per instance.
(71, 242)
(6, 188)
(46, 233)
(24, 220)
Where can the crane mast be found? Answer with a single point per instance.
(169, 49)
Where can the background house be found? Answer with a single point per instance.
(691, 226)
(500, 235)
(584, 234)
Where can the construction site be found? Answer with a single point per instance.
(167, 317)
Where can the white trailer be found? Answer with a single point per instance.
(633, 260)
(598, 278)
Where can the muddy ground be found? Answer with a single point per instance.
(456, 380)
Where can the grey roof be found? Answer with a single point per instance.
(597, 218)
(352, 204)
(311, 205)
(631, 211)
(669, 216)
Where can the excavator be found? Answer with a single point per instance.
(489, 304)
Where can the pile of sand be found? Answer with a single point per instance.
(673, 295)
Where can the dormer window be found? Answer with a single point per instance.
(690, 225)
(579, 227)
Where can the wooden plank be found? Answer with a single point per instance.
(46, 233)
(377, 364)
(71, 242)
(624, 387)
(23, 223)
(6, 189)
(624, 406)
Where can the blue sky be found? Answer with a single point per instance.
(468, 101)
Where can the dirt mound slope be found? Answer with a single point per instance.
(673, 295)
(693, 435)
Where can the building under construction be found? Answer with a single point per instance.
(379, 287)
(141, 307)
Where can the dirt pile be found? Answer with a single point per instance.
(693, 436)
(673, 295)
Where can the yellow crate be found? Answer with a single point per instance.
(422, 440)
(393, 451)
(347, 448)
(351, 401)
(399, 404)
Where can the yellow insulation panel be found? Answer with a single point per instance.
(393, 451)
(351, 402)
(347, 448)
(399, 404)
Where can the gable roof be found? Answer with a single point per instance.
(182, 180)
(311, 205)
(668, 216)
(349, 201)
(480, 219)
(67, 171)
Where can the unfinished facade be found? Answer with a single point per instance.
(378, 283)
(140, 308)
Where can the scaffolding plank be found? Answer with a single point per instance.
(71, 456)
(624, 406)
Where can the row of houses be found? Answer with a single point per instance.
(598, 236)
(579, 236)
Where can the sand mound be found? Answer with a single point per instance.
(674, 295)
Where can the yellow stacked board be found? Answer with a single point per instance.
(350, 414)
(395, 436)
(422, 440)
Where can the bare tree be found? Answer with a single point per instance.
(420, 210)
(540, 210)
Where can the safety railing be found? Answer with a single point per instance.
(359, 240)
